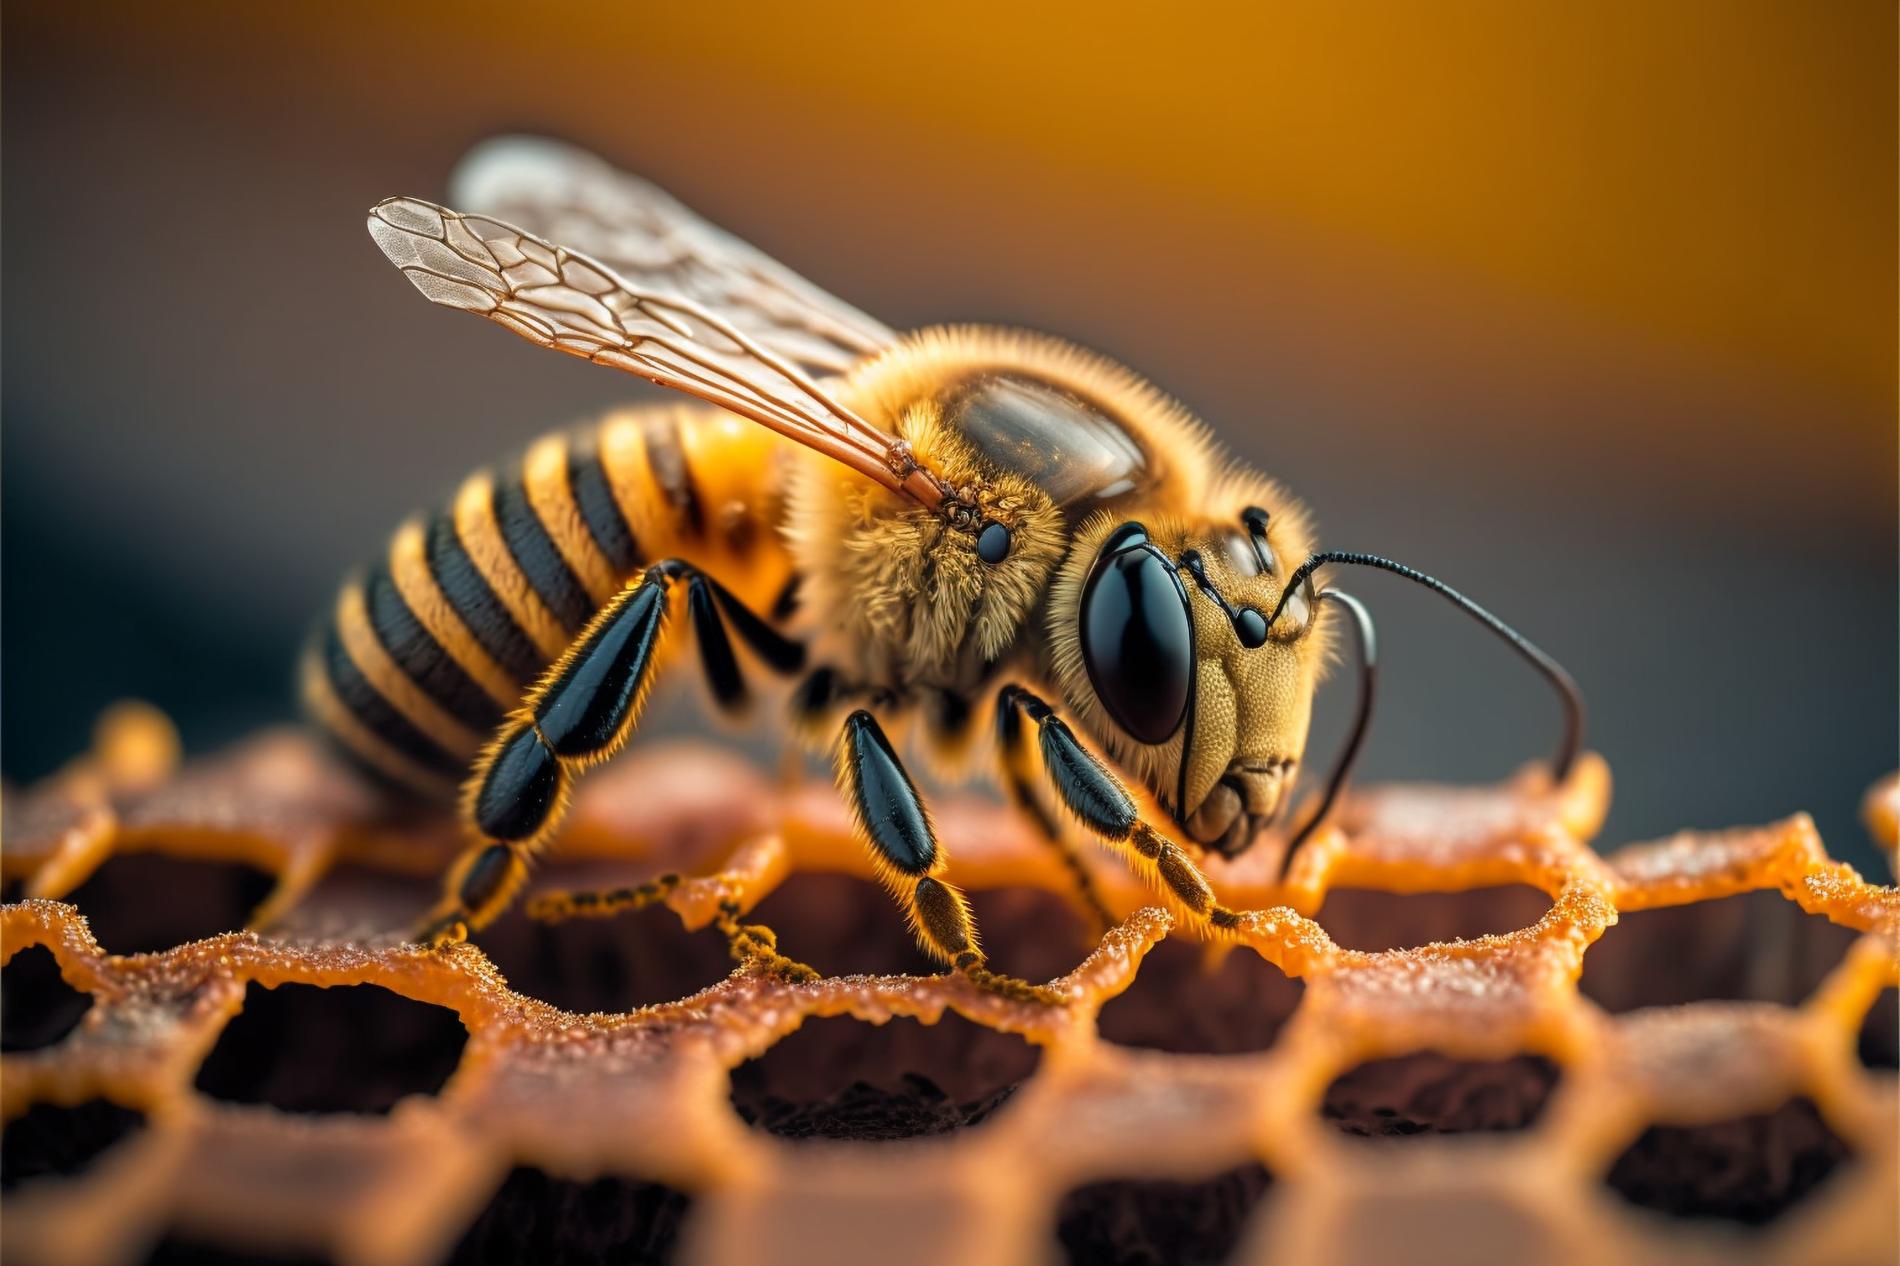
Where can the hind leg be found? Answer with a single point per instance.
(752, 944)
(581, 712)
(891, 819)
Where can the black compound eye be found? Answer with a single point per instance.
(1137, 639)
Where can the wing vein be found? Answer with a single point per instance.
(566, 300)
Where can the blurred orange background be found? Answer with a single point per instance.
(1589, 309)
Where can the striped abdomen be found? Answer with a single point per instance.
(431, 645)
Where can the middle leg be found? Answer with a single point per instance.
(892, 819)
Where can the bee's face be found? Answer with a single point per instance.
(1181, 678)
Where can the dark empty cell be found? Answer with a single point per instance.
(51, 1140)
(633, 959)
(353, 1048)
(1880, 1033)
(1429, 1093)
(1754, 947)
(862, 1112)
(1142, 1223)
(183, 1250)
(1031, 933)
(352, 902)
(1365, 919)
(841, 1078)
(842, 926)
(37, 1006)
(143, 902)
(1176, 1004)
(554, 1222)
(1750, 1169)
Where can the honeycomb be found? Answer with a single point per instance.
(1546, 1125)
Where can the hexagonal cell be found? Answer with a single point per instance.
(353, 902)
(634, 959)
(1032, 933)
(841, 925)
(1752, 947)
(351, 1048)
(841, 1078)
(142, 902)
(37, 1006)
(1178, 1004)
(1135, 1223)
(536, 1218)
(1429, 1093)
(1879, 1042)
(50, 1140)
(1750, 1169)
(1374, 921)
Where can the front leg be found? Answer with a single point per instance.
(578, 715)
(892, 819)
(1019, 776)
(1098, 799)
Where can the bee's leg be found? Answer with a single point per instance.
(1019, 776)
(560, 905)
(753, 944)
(1103, 805)
(756, 945)
(892, 819)
(579, 714)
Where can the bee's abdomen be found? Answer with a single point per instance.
(429, 647)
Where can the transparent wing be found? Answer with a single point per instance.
(571, 303)
(649, 239)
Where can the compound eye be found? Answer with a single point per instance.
(1296, 617)
(1137, 640)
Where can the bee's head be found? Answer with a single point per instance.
(1164, 653)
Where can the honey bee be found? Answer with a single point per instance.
(924, 523)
